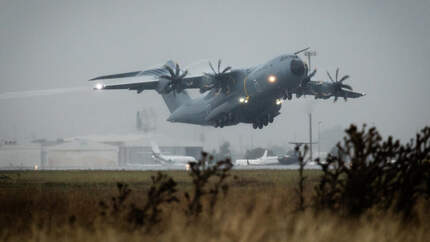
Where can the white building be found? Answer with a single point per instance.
(80, 154)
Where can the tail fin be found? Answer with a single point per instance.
(155, 148)
(264, 155)
(175, 100)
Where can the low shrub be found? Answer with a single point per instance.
(368, 172)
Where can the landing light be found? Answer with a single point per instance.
(99, 86)
(279, 101)
(243, 99)
(271, 78)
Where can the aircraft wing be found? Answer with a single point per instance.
(155, 79)
(137, 86)
(192, 82)
(326, 90)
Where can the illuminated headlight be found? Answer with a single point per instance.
(99, 86)
(271, 79)
(278, 101)
(243, 99)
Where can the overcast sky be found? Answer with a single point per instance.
(382, 45)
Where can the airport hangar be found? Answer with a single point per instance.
(94, 152)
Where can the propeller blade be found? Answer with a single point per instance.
(329, 76)
(337, 73)
(346, 86)
(210, 65)
(308, 78)
(312, 74)
(183, 74)
(177, 69)
(226, 69)
(168, 68)
(219, 65)
(343, 78)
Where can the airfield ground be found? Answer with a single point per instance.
(260, 206)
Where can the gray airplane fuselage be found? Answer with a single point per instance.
(249, 95)
(256, 95)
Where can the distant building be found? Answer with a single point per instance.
(80, 154)
(93, 152)
(19, 156)
(136, 149)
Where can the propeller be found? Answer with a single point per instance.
(175, 78)
(305, 81)
(220, 79)
(338, 85)
(308, 77)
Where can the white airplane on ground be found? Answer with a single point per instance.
(170, 159)
(264, 160)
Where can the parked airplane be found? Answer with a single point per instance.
(264, 160)
(292, 158)
(170, 159)
(250, 95)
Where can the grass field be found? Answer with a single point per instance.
(259, 206)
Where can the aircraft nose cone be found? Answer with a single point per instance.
(297, 67)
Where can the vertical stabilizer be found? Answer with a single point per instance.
(264, 155)
(175, 100)
(155, 148)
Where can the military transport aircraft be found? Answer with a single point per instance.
(251, 95)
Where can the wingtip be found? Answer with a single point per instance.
(96, 78)
(99, 86)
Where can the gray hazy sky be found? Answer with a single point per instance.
(382, 45)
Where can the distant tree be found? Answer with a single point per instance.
(278, 150)
(224, 150)
(223, 153)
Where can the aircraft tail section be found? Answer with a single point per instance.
(155, 148)
(264, 155)
(175, 100)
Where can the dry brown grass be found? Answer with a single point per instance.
(64, 206)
